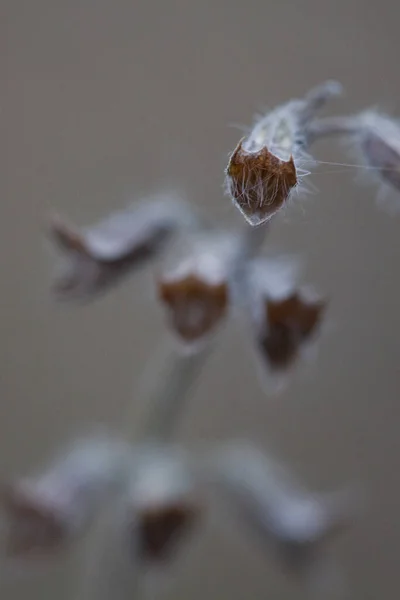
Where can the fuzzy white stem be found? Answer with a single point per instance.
(166, 386)
(108, 569)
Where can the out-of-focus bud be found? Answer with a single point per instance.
(380, 145)
(265, 166)
(163, 506)
(374, 140)
(288, 519)
(194, 285)
(286, 317)
(97, 257)
(45, 512)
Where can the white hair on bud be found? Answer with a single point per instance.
(273, 278)
(207, 255)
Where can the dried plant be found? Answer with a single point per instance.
(138, 494)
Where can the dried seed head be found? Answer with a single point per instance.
(265, 166)
(195, 287)
(100, 255)
(259, 182)
(164, 506)
(45, 512)
(289, 519)
(285, 316)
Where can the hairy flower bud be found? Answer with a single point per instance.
(290, 322)
(264, 167)
(194, 287)
(259, 182)
(99, 256)
(285, 316)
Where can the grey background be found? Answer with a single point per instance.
(102, 102)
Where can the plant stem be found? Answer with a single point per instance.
(165, 388)
(330, 126)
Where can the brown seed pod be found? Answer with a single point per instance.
(194, 287)
(195, 306)
(290, 323)
(266, 165)
(259, 182)
(163, 506)
(285, 316)
(161, 528)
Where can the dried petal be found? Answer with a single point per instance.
(45, 512)
(101, 255)
(265, 167)
(195, 287)
(289, 519)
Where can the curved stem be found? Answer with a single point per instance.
(330, 126)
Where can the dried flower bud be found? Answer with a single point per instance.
(290, 323)
(285, 316)
(45, 512)
(163, 506)
(265, 166)
(259, 182)
(286, 517)
(100, 255)
(195, 286)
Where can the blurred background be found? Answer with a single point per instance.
(103, 102)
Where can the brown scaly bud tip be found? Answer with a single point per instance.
(35, 528)
(195, 305)
(290, 323)
(259, 183)
(161, 528)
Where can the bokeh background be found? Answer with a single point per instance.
(103, 102)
